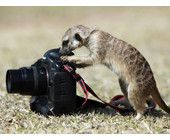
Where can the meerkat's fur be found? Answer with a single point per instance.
(134, 73)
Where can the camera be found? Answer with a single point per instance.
(53, 89)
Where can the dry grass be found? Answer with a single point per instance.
(27, 32)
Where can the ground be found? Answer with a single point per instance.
(28, 32)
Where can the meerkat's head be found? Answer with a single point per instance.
(74, 38)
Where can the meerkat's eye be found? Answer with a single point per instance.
(78, 37)
(65, 43)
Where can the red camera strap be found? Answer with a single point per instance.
(87, 89)
(79, 79)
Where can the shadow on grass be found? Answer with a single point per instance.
(98, 107)
(157, 113)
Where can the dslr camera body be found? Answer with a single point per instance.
(53, 89)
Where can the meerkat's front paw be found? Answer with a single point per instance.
(64, 59)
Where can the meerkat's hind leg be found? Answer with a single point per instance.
(136, 101)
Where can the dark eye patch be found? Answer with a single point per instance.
(65, 43)
(78, 37)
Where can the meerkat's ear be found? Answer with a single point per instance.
(78, 37)
(92, 29)
(86, 33)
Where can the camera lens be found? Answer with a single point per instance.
(27, 81)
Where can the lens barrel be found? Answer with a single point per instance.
(27, 81)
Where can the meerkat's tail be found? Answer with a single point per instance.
(157, 97)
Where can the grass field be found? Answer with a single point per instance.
(26, 33)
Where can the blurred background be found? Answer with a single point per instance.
(26, 33)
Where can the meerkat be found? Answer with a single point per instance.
(134, 73)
